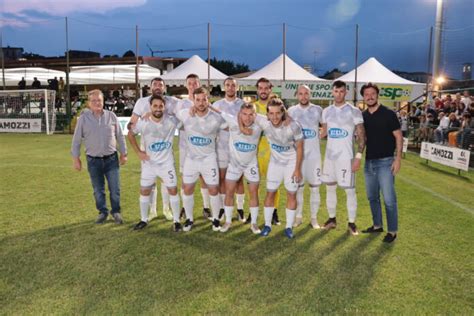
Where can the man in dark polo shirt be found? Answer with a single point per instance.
(384, 138)
(100, 131)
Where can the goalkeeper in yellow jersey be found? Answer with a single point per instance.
(264, 91)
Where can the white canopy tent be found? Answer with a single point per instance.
(112, 74)
(14, 75)
(274, 72)
(194, 65)
(373, 71)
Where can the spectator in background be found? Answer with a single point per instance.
(61, 86)
(466, 99)
(440, 131)
(424, 130)
(53, 84)
(438, 103)
(428, 110)
(404, 122)
(460, 109)
(36, 83)
(145, 89)
(22, 84)
(464, 135)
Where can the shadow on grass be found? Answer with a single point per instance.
(450, 173)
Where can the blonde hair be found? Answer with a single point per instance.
(95, 92)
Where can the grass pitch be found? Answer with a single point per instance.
(55, 260)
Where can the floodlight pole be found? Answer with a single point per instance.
(428, 92)
(68, 87)
(137, 88)
(438, 34)
(284, 52)
(3, 59)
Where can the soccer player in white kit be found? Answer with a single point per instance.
(142, 106)
(242, 162)
(229, 104)
(192, 83)
(157, 135)
(308, 116)
(201, 130)
(287, 149)
(340, 121)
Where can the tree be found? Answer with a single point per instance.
(129, 53)
(229, 67)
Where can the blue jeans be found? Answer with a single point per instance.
(379, 177)
(99, 170)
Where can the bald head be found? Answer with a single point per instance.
(303, 94)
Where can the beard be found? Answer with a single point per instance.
(371, 103)
(157, 115)
(157, 92)
(304, 103)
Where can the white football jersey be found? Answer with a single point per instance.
(308, 117)
(231, 108)
(157, 138)
(201, 133)
(142, 106)
(185, 104)
(242, 148)
(341, 122)
(281, 139)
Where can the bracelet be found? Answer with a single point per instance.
(358, 156)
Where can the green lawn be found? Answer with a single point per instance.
(54, 260)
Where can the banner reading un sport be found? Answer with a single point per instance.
(323, 91)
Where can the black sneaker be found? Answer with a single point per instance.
(330, 223)
(206, 213)
(216, 225)
(371, 230)
(389, 238)
(140, 225)
(177, 227)
(275, 220)
(249, 219)
(188, 225)
(352, 228)
(221, 214)
(101, 218)
(182, 215)
(117, 218)
(240, 215)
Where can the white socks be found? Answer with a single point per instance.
(315, 201)
(188, 204)
(215, 205)
(174, 201)
(351, 204)
(222, 197)
(153, 197)
(228, 213)
(254, 214)
(331, 200)
(268, 214)
(290, 218)
(144, 206)
(240, 201)
(299, 202)
(205, 197)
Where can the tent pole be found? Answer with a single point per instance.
(3, 60)
(209, 56)
(137, 89)
(356, 65)
(68, 87)
(428, 92)
(284, 52)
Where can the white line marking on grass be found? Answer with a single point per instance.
(436, 194)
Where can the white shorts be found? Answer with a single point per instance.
(278, 173)
(166, 172)
(223, 158)
(251, 173)
(206, 167)
(311, 171)
(340, 172)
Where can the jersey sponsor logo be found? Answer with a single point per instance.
(245, 147)
(309, 133)
(200, 141)
(337, 133)
(159, 146)
(279, 148)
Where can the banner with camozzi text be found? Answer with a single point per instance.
(322, 91)
(448, 156)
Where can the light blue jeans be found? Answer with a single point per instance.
(379, 177)
(99, 170)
